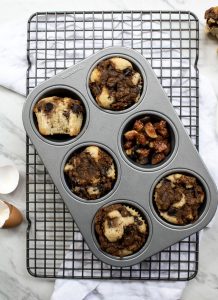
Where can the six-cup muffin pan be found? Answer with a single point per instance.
(135, 183)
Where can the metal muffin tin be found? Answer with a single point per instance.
(135, 184)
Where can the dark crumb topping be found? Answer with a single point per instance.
(132, 238)
(118, 83)
(88, 177)
(178, 198)
(211, 15)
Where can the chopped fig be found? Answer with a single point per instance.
(143, 152)
(161, 128)
(150, 131)
(159, 146)
(128, 145)
(138, 125)
(142, 139)
(148, 140)
(131, 135)
(157, 158)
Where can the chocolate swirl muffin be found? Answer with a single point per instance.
(56, 115)
(120, 230)
(211, 16)
(91, 173)
(115, 84)
(178, 198)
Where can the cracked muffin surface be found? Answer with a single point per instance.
(57, 115)
(90, 173)
(178, 198)
(148, 141)
(120, 229)
(115, 84)
(211, 16)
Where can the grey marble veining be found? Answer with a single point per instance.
(17, 292)
(15, 282)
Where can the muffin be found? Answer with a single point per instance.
(56, 115)
(179, 198)
(120, 230)
(148, 141)
(90, 173)
(115, 84)
(211, 16)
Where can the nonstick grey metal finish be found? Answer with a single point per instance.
(134, 184)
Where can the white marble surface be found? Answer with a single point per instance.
(15, 282)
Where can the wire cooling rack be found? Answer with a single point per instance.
(170, 42)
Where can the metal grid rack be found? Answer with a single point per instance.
(169, 41)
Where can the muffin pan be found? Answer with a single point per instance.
(134, 183)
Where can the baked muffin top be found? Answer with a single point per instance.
(59, 115)
(120, 229)
(115, 84)
(91, 173)
(178, 198)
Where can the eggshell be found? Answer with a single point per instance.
(15, 217)
(9, 178)
(4, 213)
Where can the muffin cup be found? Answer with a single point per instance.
(136, 255)
(79, 148)
(202, 209)
(137, 66)
(173, 140)
(104, 128)
(60, 91)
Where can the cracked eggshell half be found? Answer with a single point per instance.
(10, 216)
(9, 178)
